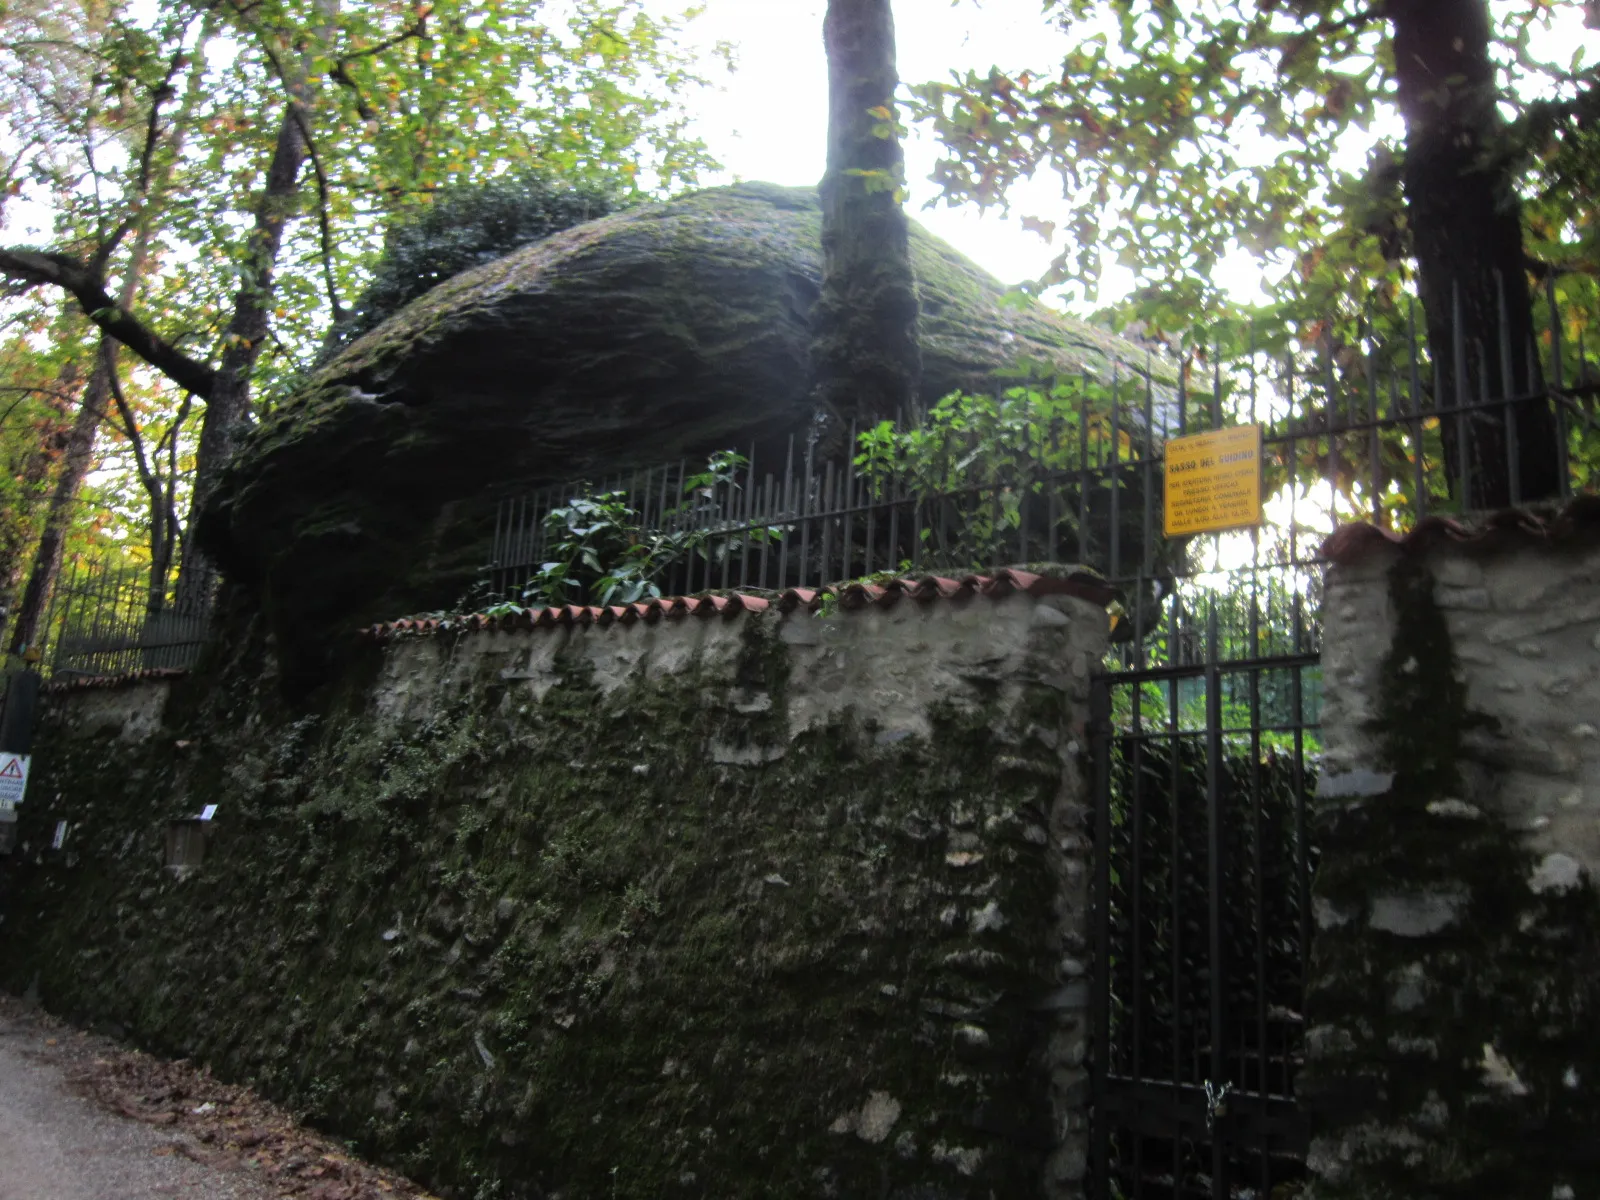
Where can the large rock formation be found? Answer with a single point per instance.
(669, 330)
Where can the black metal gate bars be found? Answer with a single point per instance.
(1201, 922)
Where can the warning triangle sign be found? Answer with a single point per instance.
(12, 769)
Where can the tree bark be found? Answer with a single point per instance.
(77, 460)
(865, 356)
(35, 479)
(228, 403)
(1466, 229)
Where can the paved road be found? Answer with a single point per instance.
(56, 1145)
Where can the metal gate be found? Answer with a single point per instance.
(1206, 737)
(1201, 924)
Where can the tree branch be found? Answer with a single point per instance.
(59, 44)
(341, 73)
(6, 416)
(159, 94)
(324, 226)
(35, 267)
(295, 86)
(417, 29)
(1374, 13)
(130, 427)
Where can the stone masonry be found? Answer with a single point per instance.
(1454, 991)
(737, 903)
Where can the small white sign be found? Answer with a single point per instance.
(61, 835)
(208, 812)
(13, 778)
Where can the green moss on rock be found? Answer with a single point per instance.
(1452, 1004)
(549, 948)
(667, 331)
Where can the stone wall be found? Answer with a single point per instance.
(718, 905)
(1454, 1001)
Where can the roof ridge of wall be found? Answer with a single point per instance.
(1492, 532)
(728, 604)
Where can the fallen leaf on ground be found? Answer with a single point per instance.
(195, 1104)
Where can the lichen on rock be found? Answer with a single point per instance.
(1456, 973)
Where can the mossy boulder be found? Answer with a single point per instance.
(671, 330)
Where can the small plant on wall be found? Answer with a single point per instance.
(601, 552)
(1028, 468)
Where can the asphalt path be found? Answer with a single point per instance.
(58, 1145)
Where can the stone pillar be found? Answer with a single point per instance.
(1068, 645)
(1453, 1001)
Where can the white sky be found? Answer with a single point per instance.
(770, 120)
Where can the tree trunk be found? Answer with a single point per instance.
(79, 457)
(229, 402)
(865, 357)
(35, 479)
(1466, 229)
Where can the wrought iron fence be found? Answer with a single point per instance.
(1204, 858)
(1071, 471)
(105, 620)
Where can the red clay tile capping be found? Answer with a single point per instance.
(82, 683)
(1580, 518)
(728, 605)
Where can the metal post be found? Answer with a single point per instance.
(1115, 560)
(1100, 1131)
(1214, 802)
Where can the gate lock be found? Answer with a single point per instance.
(1216, 1103)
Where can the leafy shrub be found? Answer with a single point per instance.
(601, 550)
(1027, 474)
(464, 228)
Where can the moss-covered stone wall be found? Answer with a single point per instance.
(1454, 994)
(763, 906)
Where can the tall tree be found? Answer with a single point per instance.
(1181, 131)
(1465, 221)
(228, 403)
(865, 355)
(154, 151)
(79, 457)
(156, 458)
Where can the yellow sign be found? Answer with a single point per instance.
(1214, 481)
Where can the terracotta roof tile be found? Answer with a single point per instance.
(924, 589)
(1350, 544)
(795, 598)
(79, 683)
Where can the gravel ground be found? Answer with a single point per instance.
(82, 1118)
